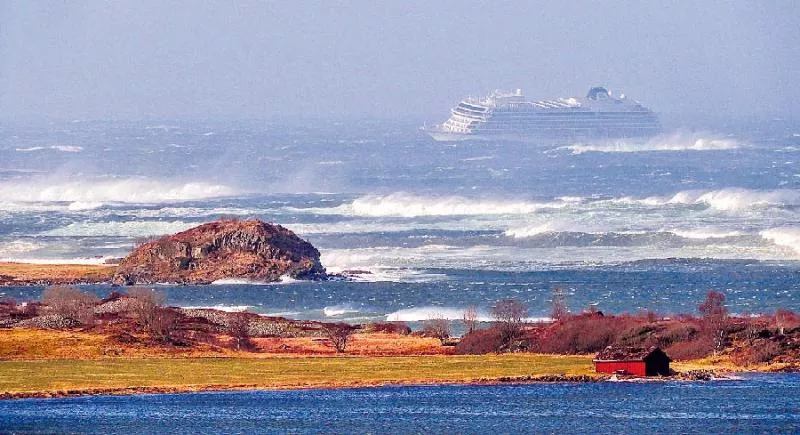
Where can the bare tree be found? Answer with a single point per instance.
(715, 317)
(437, 327)
(339, 335)
(470, 318)
(160, 323)
(70, 302)
(239, 329)
(560, 309)
(509, 315)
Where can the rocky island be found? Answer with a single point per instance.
(251, 249)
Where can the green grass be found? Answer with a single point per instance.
(275, 372)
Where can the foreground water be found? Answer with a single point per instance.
(754, 404)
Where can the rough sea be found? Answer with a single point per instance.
(624, 225)
(434, 227)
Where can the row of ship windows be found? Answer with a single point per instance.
(583, 116)
(547, 122)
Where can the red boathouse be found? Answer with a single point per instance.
(632, 361)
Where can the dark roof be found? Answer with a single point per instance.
(626, 353)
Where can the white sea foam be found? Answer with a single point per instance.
(16, 247)
(673, 142)
(237, 281)
(704, 233)
(339, 310)
(732, 199)
(419, 314)
(81, 205)
(426, 313)
(62, 148)
(130, 190)
(784, 236)
(727, 199)
(410, 264)
(190, 212)
(478, 158)
(81, 260)
(119, 229)
(226, 308)
(549, 227)
(408, 205)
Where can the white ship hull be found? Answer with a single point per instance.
(510, 117)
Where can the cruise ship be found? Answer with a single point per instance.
(510, 116)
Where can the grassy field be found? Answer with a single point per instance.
(187, 374)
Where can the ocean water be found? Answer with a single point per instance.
(625, 225)
(753, 404)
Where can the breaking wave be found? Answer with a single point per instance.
(705, 233)
(784, 236)
(16, 247)
(728, 199)
(94, 192)
(119, 229)
(339, 310)
(226, 308)
(673, 142)
(408, 205)
(419, 314)
(426, 313)
(544, 228)
(62, 148)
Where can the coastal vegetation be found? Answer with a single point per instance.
(71, 342)
(745, 340)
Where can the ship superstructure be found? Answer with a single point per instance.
(508, 115)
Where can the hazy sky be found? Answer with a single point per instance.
(237, 59)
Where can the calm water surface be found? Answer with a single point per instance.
(754, 404)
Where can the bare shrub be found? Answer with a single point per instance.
(677, 333)
(388, 327)
(470, 318)
(160, 323)
(765, 351)
(584, 334)
(480, 341)
(785, 319)
(70, 302)
(509, 316)
(29, 309)
(438, 328)
(338, 334)
(700, 347)
(239, 329)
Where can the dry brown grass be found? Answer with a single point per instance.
(32, 344)
(26, 273)
(189, 374)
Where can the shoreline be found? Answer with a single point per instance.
(130, 391)
(255, 387)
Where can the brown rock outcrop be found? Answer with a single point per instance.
(250, 249)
